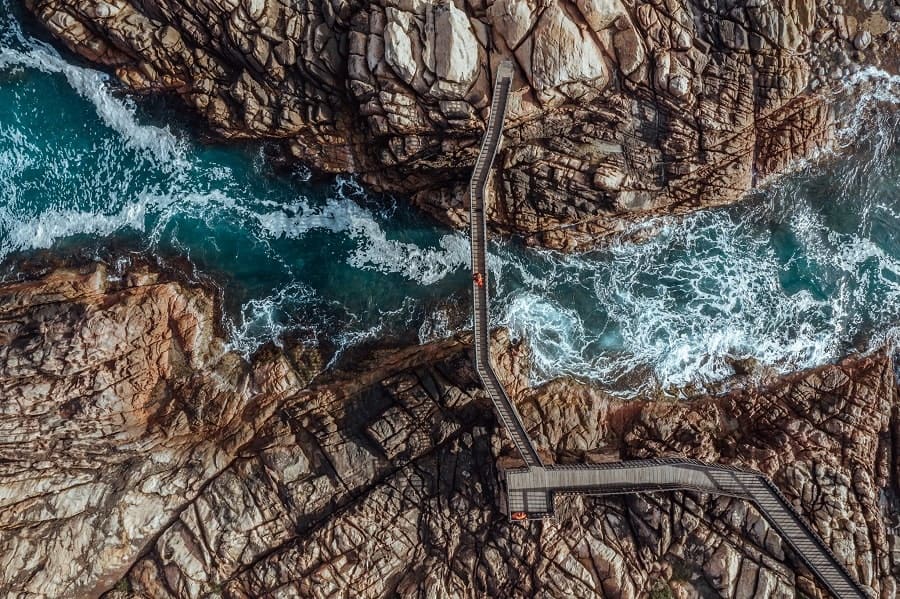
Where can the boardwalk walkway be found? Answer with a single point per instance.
(531, 490)
(507, 412)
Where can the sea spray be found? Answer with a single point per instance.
(793, 277)
(117, 114)
(798, 274)
(374, 249)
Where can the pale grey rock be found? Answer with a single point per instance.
(513, 19)
(629, 49)
(398, 50)
(563, 53)
(600, 14)
(862, 40)
(679, 86)
(455, 47)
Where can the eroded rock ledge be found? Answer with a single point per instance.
(141, 459)
(621, 109)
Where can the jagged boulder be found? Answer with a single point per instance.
(563, 53)
(137, 458)
(454, 45)
(700, 99)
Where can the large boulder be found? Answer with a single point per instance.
(398, 45)
(693, 101)
(513, 19)
(600, 14)
(565, 53)
(455, 45)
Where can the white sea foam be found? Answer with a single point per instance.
(435, 326)
(423, 265)
(680, 306)
(268, 318)
(167, 150)
(148, 213)
(878, 88)
(669, 311)
(675, 309)
(17, 152)
(556, 335)
(358, 333)
(374, 250)
(41, 232)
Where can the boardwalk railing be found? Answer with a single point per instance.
(506, 410)
(531, 490)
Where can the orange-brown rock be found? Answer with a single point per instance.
(138, 458)
(118, 404)
(621, 109)
(828, 437)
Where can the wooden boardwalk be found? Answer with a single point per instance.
(531, 490)
(506, 410)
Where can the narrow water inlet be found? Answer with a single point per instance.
(785, 279)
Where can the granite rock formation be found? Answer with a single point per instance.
(118, 405)
(140, 458)
(620, 109)
(828, 437)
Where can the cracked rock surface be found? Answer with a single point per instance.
(828, 438)
(117, 405)
(620, 109)
(141, 459)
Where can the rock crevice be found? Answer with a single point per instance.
(621, 110)
(153, 463)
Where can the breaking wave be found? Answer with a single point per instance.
(802, 272)
(785, 278)
(374, 251)
(292, 254)
(117, 114)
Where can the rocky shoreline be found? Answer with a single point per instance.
(140, 459)
(620, 110)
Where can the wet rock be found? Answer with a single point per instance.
(138, 458)
(703, 96)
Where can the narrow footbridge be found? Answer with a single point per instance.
(530, 490)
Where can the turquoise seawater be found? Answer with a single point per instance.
(806, 269)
